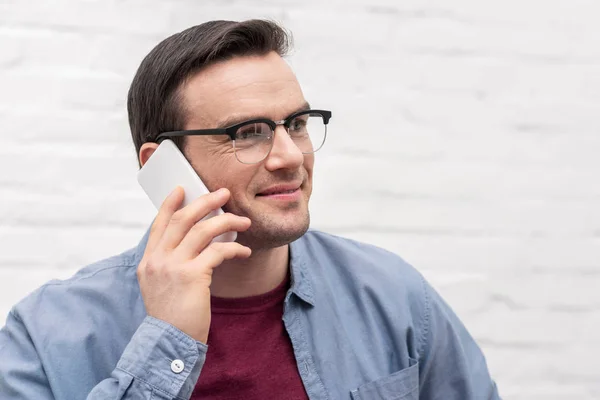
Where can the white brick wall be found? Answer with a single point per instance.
(466, 138)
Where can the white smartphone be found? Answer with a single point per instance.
(168, 168)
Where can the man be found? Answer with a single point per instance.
(283, 312)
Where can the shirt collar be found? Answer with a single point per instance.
(301, 283)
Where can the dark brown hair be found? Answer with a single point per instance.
(154, 101)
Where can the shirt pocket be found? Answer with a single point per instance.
(401, 385)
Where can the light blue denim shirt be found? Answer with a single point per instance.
(364, 325)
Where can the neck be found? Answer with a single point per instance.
(262, 272)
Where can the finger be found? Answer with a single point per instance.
(217, 252)
(185, 218)
(203, 232)
(168, 207)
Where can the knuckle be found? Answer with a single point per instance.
(202, 231)
(153, 265)
(215, 251)
(217, 247)
(150, 268)
(198, 228)
(178, 217)
(212, 249)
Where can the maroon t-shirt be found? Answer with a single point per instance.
(250, 355)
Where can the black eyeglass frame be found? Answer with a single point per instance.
(231, 130)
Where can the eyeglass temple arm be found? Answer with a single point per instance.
(195, 132)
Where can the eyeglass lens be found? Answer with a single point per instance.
(253, 141)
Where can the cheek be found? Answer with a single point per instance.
(213, 164)
(210, 175)
(218, 168)
(237, 178)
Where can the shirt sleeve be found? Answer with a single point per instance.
(452, 366)
(160, 362)
(21, 373)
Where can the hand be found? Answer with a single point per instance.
(175, 272)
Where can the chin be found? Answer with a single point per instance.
(271, 231)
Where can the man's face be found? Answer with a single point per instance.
(237, 90)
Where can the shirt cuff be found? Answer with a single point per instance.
(164, 357)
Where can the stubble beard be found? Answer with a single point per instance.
(267, 231)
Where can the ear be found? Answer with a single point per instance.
(146, 151)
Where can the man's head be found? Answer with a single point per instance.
(212, 76)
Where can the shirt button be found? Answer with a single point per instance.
(177, 366)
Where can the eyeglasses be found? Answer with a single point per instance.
(253, 140)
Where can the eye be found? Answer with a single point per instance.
(246, 134)
(298, 124)
(253, 131)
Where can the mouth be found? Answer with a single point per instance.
(280, 190)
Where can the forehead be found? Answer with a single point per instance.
(250, 86)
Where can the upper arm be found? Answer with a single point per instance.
(21, 372)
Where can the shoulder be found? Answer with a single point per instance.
(366, 272)
(96, 289)
(77, 326)
(102, 273)
(353, 275)
(367, 262)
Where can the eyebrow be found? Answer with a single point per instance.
(237, 119)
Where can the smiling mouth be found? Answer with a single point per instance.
(278, 192)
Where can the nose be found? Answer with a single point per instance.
(284, 153)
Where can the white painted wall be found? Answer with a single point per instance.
(465, 137)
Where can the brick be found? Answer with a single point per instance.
(90, 16)
(61, 249)
(62, 87)
(47, 49)
(70, 168)
(51, 127)
(504, 211)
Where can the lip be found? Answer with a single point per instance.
(283, 196)
(280, 190)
